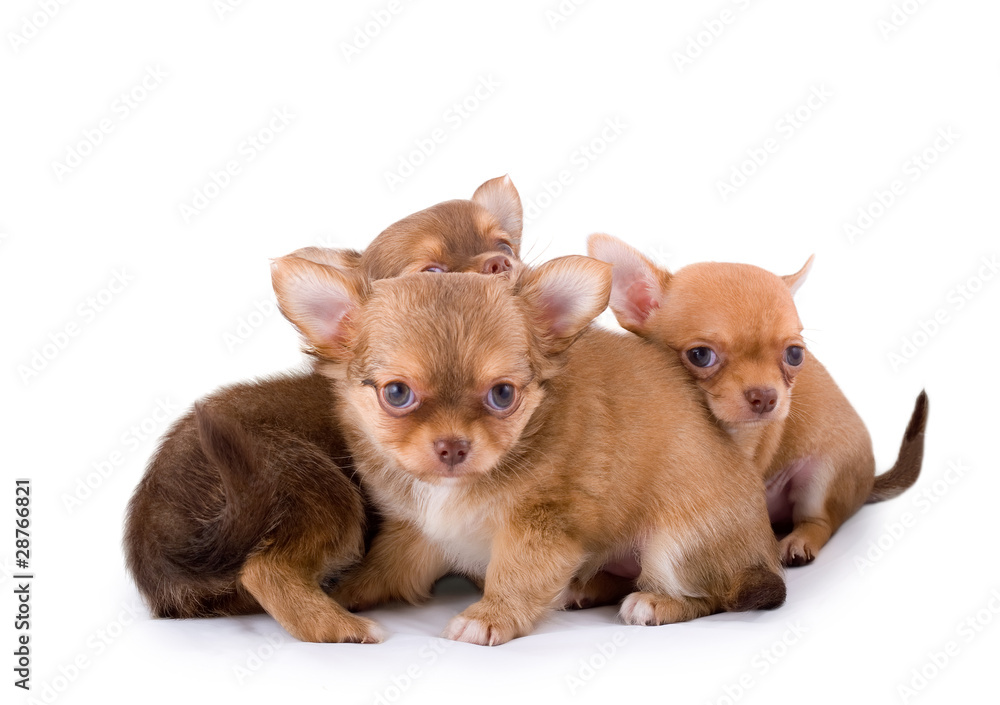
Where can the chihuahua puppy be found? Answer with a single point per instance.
(505, 439)
(246, 505)
(735, 329)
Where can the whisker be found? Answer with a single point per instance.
(532, 260)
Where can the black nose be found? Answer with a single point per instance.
(496, 264)
(451, 451)
(761, 400)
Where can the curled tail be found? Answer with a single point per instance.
(905, 472)
(204, 503)
(251, 505)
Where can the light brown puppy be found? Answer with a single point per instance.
(735, 329)
(246, 505)
(505, 439)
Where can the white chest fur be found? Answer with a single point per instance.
(458, 525)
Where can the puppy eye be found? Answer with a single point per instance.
(505, 248)
(501, 397)
(702, 356)
(398, 395)
(434, 268)
(794, 355)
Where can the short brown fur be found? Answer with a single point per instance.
(247, 505)
(792, 420)
(607, 456)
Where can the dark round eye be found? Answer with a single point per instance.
(398, 395)
(434, 268)
(505, 248)
(702, 357)
(501, 396)
(794, 355)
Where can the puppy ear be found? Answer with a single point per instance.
(318, 300)
(565, 295)
(638, 286)
(341, 259)
(794, 281)
(500, 198)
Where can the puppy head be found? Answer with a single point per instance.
(478, 235)
(441, 374)
(734, 327)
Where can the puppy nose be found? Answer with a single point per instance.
(496, 264)
(761, 400)
(451, 451)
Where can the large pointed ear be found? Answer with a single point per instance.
(638, 286)
(565, 295)
(341, 259)
(500, 198)
(318, 300)
(794, 281)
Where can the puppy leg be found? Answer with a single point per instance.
(652, 609)
(812, 524)
(528, 571)
(802, 545)
(756, 588)
(401, 565)
(291, 593)
(602, 588)
(319, 533)
(664, 594)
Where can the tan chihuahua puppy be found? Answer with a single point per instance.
(246, 505)
(735, 330)
(504, 439)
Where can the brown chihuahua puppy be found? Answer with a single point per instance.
(735, 330)
(504, 439)
(246, 505)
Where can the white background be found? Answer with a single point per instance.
(215, 78)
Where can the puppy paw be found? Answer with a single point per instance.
(363, 631)
(796, 551)
(471, 631)
(576, 597)
(650, 609)
(473, 628)
(637, 609)
(338, 628)
(601, 589)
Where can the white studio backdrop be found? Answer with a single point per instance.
(155, 156)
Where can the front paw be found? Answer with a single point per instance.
(337, 627)
(476, 626)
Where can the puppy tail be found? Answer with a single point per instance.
(905, 472)
(250, 504)
(757, 588)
